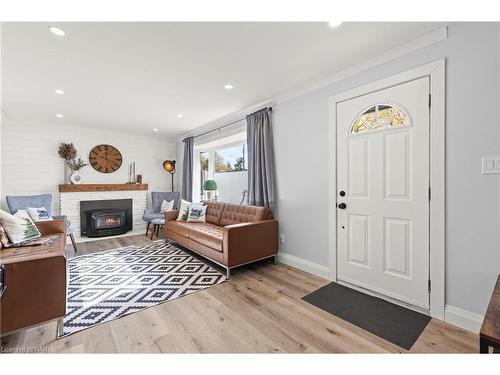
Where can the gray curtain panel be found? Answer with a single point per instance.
(187, 170)
(260, 159)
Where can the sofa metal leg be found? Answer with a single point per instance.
(147, 228)
(60, 327)
(228, 273)
(73, 242)
(275, 259)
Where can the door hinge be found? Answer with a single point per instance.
(429, 194)
(429, 100)
(429, 285)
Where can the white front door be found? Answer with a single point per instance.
(383, 192)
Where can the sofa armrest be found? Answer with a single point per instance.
(247, 242)
(51, 226)
(171, 215)
(63, 217)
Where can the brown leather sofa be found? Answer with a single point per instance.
(34, 281)
(233, 235)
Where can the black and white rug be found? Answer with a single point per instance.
(107, 285)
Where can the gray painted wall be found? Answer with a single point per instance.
(473, 199)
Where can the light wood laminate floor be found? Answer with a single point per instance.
(258, 311)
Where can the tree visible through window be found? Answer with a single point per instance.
(232, 159)
(203, 169)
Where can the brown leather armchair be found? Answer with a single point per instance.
(34, 281)
(233, 235)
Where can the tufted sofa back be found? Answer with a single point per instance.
(214, 212)
(235, 214)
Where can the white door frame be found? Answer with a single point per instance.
(436, 71)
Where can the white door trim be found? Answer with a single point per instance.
(436, 71)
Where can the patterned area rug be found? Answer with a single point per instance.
(107, 285)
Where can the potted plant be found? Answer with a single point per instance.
(210, 188)
(67, 152)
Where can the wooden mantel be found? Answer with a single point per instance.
(77, 188)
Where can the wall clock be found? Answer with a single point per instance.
(105, 158)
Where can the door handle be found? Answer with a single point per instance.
(342, 206)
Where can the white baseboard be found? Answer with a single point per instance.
(456, 316)
(304, 265)
(465, 319)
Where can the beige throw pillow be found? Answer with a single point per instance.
(19, 227)
(166, 206)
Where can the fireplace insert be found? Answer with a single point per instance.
(105, 218)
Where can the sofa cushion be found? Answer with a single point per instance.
(207, 234)
(214, 212)
(179, 227)
(235, 214)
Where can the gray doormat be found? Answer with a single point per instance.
(394, 323)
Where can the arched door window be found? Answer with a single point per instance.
(378, 117)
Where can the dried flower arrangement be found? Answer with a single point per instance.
(67, 151)
(76, 165)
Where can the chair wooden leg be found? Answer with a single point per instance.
(153, 231)
(72, 237)
(147, 228)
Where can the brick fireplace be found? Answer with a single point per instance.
(72, 196)
(109, 217)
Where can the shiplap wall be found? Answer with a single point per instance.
(30, 164)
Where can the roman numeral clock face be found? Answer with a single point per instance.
(105, 158)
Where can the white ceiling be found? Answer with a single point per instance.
(139, 76)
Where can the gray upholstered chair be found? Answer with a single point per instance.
(156, 198)
(21, 202)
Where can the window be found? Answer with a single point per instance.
(380, 116)
(223, 160)
(232, 159)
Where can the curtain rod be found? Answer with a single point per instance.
(270, 109)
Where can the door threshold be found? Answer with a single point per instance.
(384, 297)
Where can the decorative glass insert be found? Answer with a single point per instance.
(380, 116)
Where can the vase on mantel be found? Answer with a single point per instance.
(75, 177)
(67, 173)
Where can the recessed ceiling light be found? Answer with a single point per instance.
(333, 24)
(59, 115)
(180, 115)
(56, 31)
(59, 91)
(228, 86)
(155, 129)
